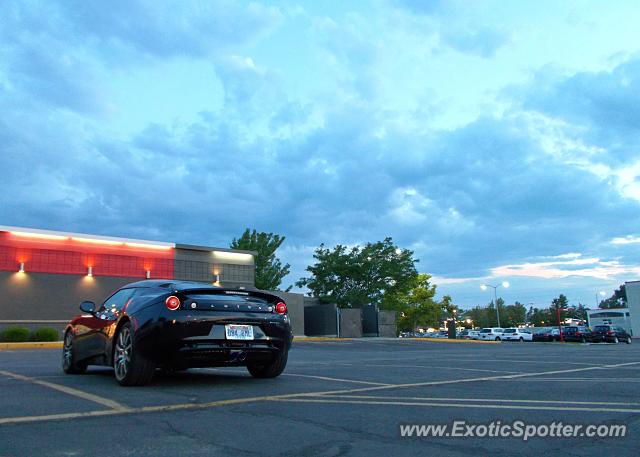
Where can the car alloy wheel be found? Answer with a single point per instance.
(122, 353)
(69, 364)
(615, 340)
(67, 351)
(628, 340)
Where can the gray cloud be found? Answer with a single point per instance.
(466, 199)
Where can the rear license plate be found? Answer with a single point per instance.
(238, 332)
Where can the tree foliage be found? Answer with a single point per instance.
(377, 273)
(541, 317)
(269, 270)
(486, 316)
(617, 300)
(418, 308)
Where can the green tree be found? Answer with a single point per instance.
(539, 317)
(617, 300)
(269, 269)
(417, 307)
(579, 312)
(559, 304)
(479, 316)
(378, 273)
(513, 315)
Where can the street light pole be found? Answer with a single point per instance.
(495, 300)
(504, 284)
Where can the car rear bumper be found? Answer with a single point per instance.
(602, 339)
(198, 339)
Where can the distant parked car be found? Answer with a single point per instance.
(473, 335)
(609, 334)
(441, 334)
(517, 334)
(491, 334)
(546, 334)
(578, 333)
(463, 334)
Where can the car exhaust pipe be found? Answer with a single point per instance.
(237, 356)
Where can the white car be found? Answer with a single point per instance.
(491, 334)
(473, 335)
(516, 334)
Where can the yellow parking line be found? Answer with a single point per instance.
(447, 340)
(32, 345)
(483, 400)
(309, 397)
(484, 378)
(326, 378)
(67, 390)
(458, 405)
(139, 410)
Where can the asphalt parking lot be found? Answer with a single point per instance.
(344, 398)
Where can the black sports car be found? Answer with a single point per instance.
(176, 325)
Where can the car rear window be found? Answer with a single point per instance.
(485, 330)
(509, 330)
(601, 328)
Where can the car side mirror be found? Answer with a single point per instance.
(88, 307)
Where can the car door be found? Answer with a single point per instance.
(105, 318)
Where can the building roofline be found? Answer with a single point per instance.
(27, 231)
(193, 247)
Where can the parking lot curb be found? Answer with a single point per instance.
(32, 345)
(301, 339)
(446, 340)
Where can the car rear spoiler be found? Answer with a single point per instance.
(229, 291)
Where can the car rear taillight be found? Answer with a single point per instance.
(611, 332)
(281, 308)
(172, 302)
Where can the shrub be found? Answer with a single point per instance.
(45, 334)
(15, 334)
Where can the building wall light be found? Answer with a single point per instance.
(90, 272)
(148, 274)
(21, 269)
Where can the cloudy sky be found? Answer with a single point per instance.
(498, 140)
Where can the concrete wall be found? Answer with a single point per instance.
(295, 305)
(321, 320)
(196, 264)
(387, 324)
(44, 296)
(632, 289)
(350, 323)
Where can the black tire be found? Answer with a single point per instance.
(69, 363)
(271, 369)
(615, 340)
(498, 338)
(130, 367)
(521, 340)
(583, 340)
(628, 340)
